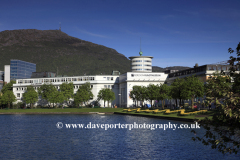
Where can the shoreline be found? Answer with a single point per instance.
(100, 113)
(56, 113)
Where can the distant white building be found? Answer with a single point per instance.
(7, 73)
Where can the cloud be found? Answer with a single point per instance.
(91, 33)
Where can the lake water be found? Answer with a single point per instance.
(37, 137)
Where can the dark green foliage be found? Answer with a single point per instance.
(152, 92)
(30, 96)
(83, 94)
(164, 93)
(8, 86)
(139, 93)
(192, 88)
(67, 90)
(106, 94)
(46, 91)
(8, 98)
(177, 89)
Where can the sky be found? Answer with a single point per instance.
(174, 32)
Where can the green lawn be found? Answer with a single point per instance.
(75, 110)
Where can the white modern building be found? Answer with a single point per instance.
(141, 63)
(97, 83)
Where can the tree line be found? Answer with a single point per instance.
(180, 89)
(54, 96)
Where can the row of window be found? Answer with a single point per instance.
(61, 80)
(140, 65)
(57, 80)
(109, 86)
(142, 69)
(108, 78)
(58, 87)
(141, 61)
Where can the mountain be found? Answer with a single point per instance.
(159, 69)
(55, 51)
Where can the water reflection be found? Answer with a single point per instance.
(36, 137)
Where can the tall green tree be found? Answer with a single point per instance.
(192, 88)
(176, 90)
(164, 93)
(8, 98)
(143, 93)
(152, 92)
(30, 96)
(135, 94)
(67, 89)
(46, 91)
(106, 94)
(56, 97)
(8, 86)
(83, 94)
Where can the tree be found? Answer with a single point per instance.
(193, 87)
(56, 97)
(143, 93)
(8, 97)
(217, 88)
(106, 94)
(135, 94)
(164, 93)
(8, 86)
(67, 90)
(152, 92)
(223, 129)
(83, 94)
(176, 90)
(30, 96)
(46, 91)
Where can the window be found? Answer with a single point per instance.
(147, 61)
(112, 86)
(109, 86)
(91, 86)
(105, 86)
(112, 78)
(108, 78)
(18, 94)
